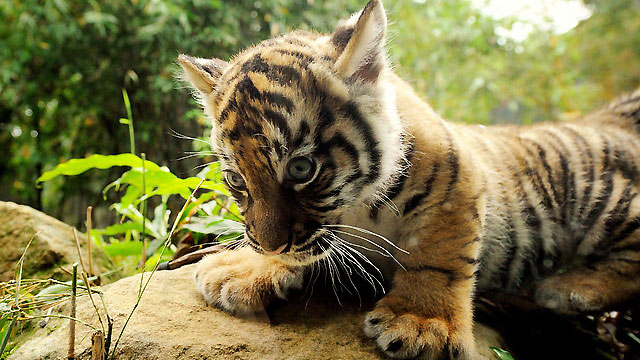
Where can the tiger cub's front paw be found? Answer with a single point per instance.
(411, 336)
(243, 281)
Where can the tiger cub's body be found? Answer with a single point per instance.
(335, 161)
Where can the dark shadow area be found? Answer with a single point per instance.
(534, 333)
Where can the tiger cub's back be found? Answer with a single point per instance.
(557, 193)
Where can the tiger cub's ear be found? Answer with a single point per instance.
(203, 74)
(360, 43)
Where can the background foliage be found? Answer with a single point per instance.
(63, 64)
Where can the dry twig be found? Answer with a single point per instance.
(72, 323)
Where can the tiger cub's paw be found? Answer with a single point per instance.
(411, 336)
(243, 281)
(564, 295)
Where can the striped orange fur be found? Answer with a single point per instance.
(336, 162)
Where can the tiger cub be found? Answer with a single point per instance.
(336, 162)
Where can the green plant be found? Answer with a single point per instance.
(145, 181)
(125, 238)
(501, 354)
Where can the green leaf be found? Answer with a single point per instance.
(134, 215)
(124, 248)
(502, 354)
(78, 166)
(118, 229)
(214, 225)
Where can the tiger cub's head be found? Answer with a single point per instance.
(306, 129)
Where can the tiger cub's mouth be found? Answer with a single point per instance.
(310, 247)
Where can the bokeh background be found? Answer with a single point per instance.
(64, 63)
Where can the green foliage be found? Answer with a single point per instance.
(454, 55)
(145, 180)
(141, 184)
(502, 354)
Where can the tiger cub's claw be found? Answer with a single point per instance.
(409, 336)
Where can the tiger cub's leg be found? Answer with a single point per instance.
(243, 281)
(602, 284)
(612, 279)
(428, 311)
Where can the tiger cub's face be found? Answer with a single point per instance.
(306, 130)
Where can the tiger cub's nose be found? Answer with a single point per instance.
(276, 251)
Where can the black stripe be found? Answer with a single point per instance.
(603, 198)
(629, 229)
(415, 200)
(454, 168)
(277, 99)
(245, 128)
(537, 183)
(306, 246)
(252, 241)
(336, 204)
(568, 180)
(543, 158)
(618, 215)
(451, 274)
(310, 228)
(230, 107)
(398, 186)
(630, 247)
(335, 191)
(395, 190)
(633, 115)
(371, 144)
(339, 141)
(325, 178)
(510, 254)
(303, 58)
(279, 121)
(537, 256)
(534, 220)
(630, 100)
(326, 118)
(247, 87)
(301, 135)
(285, 75)
(587, 163)
(625, 163)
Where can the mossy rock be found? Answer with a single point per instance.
(53, 245)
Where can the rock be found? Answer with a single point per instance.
(173, 322)
(52, 246)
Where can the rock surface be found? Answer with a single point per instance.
(53, 244)
(173, 322)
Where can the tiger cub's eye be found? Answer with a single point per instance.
(301, 169)
(235, 180)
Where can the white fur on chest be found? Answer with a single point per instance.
(375, 248)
